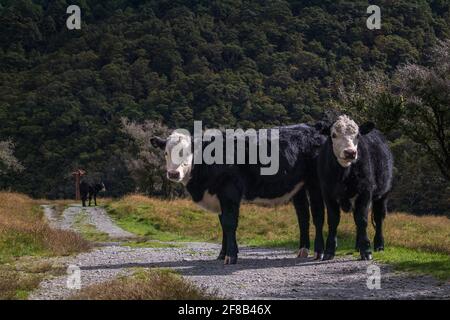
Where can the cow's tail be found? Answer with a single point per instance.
(372, 218)
(378, 213)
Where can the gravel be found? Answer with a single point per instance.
(96, 216)
(261, 273)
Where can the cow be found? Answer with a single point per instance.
(220, 188)
(354, 167)
(90, 190)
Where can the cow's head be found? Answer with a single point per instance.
(345, 135)
(178, 154)
(99, 186)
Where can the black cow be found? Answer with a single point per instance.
(90, 190)
(355, 165)
(221, 187)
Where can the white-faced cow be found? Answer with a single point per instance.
(220, 188)
(355, 169)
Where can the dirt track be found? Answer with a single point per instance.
(261, 273)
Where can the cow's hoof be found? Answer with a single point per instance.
(230, 260)
(221, 256)
(366, 256)
(303, 253)
(376, 249)
(328, 256)
(318, 255)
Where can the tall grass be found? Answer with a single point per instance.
(145, 285)
(24, 231)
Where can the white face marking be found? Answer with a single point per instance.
(344, 135)
(179, 157)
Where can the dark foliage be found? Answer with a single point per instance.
(229, 63)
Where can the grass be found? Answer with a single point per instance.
(145, 284)
(151, 244)
(414, 244)
(88, 230)
(24, 232)
(19, 278)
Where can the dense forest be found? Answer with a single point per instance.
(229, 63)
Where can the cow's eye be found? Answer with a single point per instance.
(334, 136)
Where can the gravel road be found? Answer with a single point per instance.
(261, 273)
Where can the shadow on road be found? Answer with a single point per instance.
(201, 267)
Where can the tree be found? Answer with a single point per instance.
(7, 159)
(415, 101)
(425, 112)
(146, 163)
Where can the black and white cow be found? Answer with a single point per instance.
(220, 188)
(355, 170)
(90, 190)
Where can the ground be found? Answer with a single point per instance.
(261, 273)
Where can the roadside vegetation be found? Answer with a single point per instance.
(25, 237)
(415, 244)
(155, 284)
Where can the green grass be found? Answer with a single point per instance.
(419, 245)
(15, 244)
(151, 244)
(143, 227)
(415, 261)
(88, 230)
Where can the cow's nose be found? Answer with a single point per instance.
(350, 154)
(173, 174)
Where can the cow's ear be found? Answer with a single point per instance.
(365, 128)
(158, 142)
(323, 128)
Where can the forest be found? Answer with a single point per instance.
(81, 98)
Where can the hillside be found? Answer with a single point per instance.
(228, 63)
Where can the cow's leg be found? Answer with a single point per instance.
(334, 217)
(379, 211)
(83, 195)
(90, 199)
(223, 251)
(95, 199)
(230, 218)
(230, 198)
(361, 215)
(301, 205)
(318, 214)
